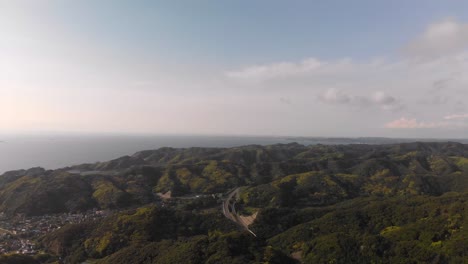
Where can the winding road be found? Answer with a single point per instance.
(229, 211)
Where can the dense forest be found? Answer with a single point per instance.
(396, 203)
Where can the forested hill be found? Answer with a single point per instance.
(398, 203)
(319, 175)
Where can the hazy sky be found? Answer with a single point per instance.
(308, 68)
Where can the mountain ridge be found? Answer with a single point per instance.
(403, 203)
(134, 180)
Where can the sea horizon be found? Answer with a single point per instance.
(58, 150)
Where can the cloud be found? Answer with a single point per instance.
(334, 96)
(436, 100)
(459, 106)
(378, 99)
(275, 70)
(440, 84)
(387, 102)
(285, 100)
(450, 121)
(455, 117)
(365, 92)
(405, 123)
(419, 87)
(382, 98)
(441, 38)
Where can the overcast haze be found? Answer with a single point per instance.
(299, 68)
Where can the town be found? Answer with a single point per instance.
(18, 233)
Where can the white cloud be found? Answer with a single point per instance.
(378, 99)
(254, 94)
(334, 96)
(275, 70)
(449, 122)
(285, 100)
(387, 102)
(382, 98)
(374, 89)
(442, 38)
(405, 123)
(455, 117)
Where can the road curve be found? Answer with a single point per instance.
(229, 211)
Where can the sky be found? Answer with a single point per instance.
(247, 67)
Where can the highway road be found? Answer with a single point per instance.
(229, 211)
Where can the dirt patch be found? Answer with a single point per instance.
(165, 196)
(297, 255)
(248, 220)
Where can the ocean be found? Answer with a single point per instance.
(57, 151)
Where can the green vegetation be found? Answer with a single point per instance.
(415, 229)
(403, 203)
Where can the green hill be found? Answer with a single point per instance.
(398, 203)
